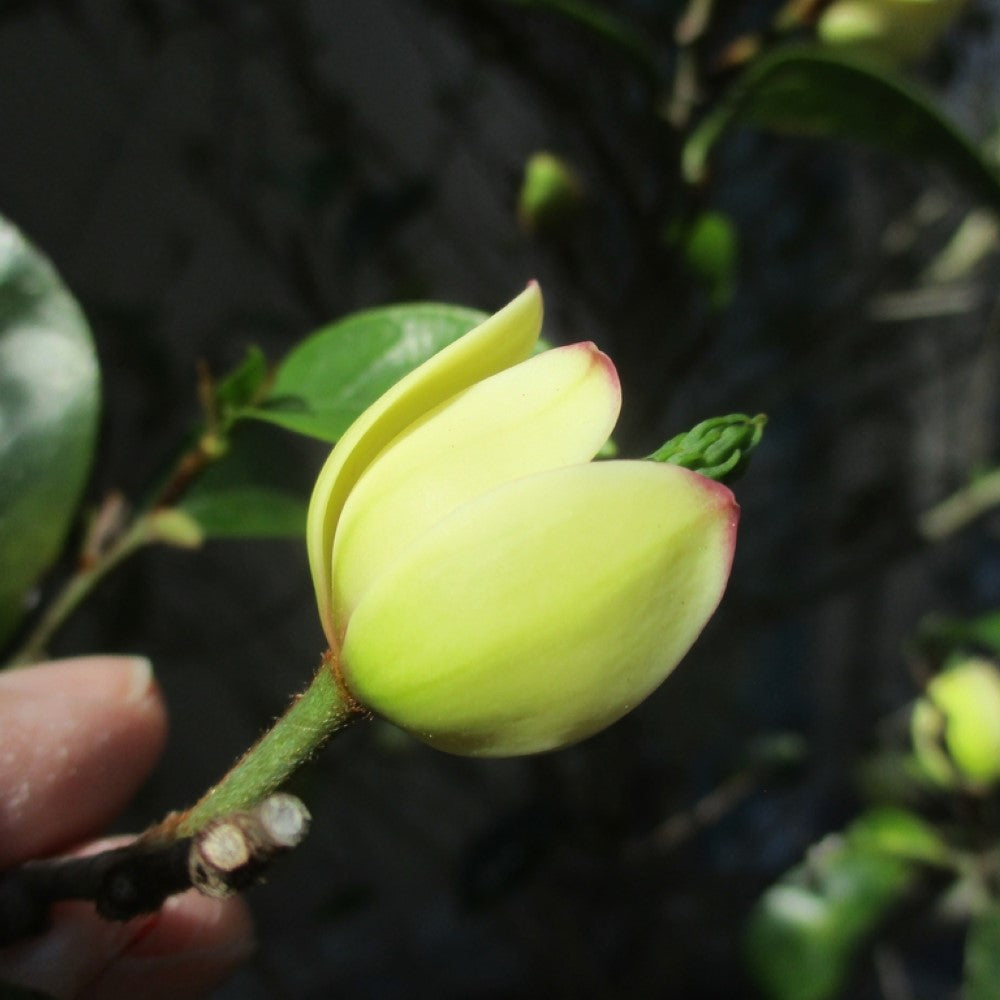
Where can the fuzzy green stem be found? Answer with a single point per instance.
(313, 717)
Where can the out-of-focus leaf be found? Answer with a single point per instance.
(810, 91)
(329, 379)
(49, 402)
(805, 933)
(244, 384)
(943, 634)
(982, 957)
(897, 833)
(258, 489)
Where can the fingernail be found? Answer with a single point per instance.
(120, 679)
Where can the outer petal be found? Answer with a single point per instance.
(555, 409)
(544, 610)
(503, 340)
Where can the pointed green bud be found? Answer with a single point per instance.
(483, 583)
(173, 526)
(718, 448)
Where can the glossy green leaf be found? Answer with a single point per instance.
(49, 402)
(982, 957)
(258, 489)
(329, 379)
(811, 91)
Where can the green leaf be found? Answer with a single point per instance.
(943, 634)
(49, 402)
(899, 833)
(329, 379)
(811, 91)
(805, 933)
(258, 489)
(244, 384)
(982, 956)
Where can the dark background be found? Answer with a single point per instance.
(208, 176)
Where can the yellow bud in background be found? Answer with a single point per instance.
(893, 31)
(956, 726)
(482, 582)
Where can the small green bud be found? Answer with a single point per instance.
(551, 194)
(710, 247)
(174, 527)
(892, 31)
(718, 448)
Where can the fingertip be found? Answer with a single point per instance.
(191, 945)
(79, 737)
(188, 947)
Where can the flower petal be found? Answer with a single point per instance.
(544, 610)
(504, 339)
(554, 409)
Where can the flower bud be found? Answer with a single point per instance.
(956, 726)
(485, 585)
(551, 194)
(893, 31)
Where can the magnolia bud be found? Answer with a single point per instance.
(956, 726)
(485, 585)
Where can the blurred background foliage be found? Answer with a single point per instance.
(745, 222)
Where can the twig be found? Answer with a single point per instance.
(113, 537)
(227, 855)
(961, 508)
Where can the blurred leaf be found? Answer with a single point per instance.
(804, 935)
(49, 402)
(943, 634)
(329, 379)
(897, 833)
(810, 91)
(258, 489)
(243, 386)
(982, 957)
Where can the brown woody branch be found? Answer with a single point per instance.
(226, 856)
